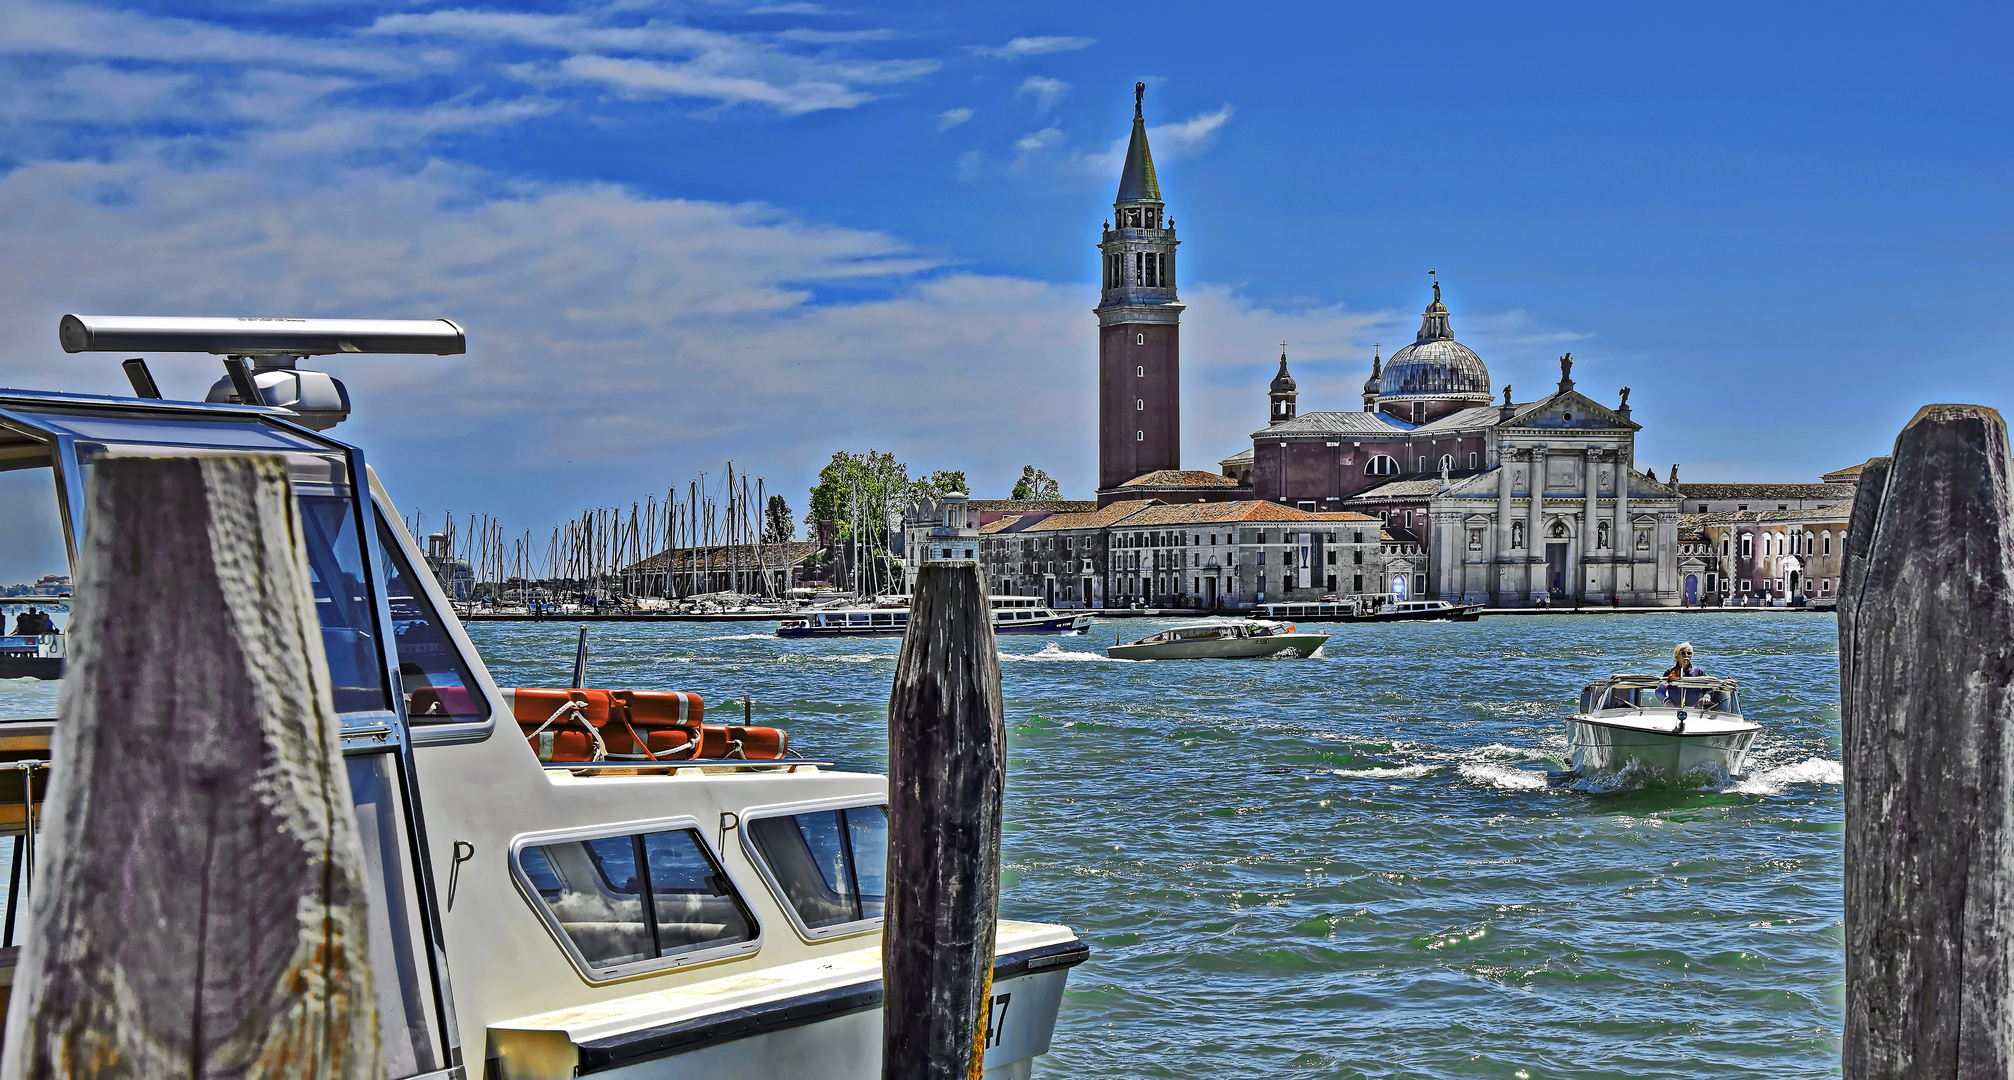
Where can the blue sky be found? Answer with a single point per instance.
(683, 233)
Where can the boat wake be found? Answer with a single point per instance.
(740, 637)
(1774, 781)
(1054, 653)
(1394, 772)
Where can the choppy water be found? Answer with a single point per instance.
(1352, 865)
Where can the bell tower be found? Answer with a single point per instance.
(1139, 317)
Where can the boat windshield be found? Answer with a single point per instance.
(1649, 692)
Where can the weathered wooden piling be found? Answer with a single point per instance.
(947, 763)
(1926, 652)
(200, 909)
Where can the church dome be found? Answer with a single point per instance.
(1371, 384)
(1435, 365)
(1283, 383)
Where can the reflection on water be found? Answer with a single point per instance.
(1352, 865)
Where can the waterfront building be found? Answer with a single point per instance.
(1769, 556)
(923, 520)
(1735, 498)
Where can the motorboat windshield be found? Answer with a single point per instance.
(1703, 693)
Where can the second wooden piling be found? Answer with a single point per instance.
(947, 760)
(1926, 653)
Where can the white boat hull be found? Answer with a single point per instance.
(1603, 748)
(1243, 648)
(848, 1046)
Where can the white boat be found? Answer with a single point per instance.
(890, 618)
(660, 915)
(1683, 729)
(1221, 639)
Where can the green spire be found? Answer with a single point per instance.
(1137, 183)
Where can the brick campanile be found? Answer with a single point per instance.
(1139, 326)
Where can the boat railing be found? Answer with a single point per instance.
(671, 768)
(1626, 691)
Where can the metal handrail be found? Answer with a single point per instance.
(787, 764)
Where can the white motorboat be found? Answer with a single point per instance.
(1221, 639)
(1679, 729)
(890, 618)
(553, 891)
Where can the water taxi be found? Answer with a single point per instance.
(1425, 611)
(1677, 729)
(1222, 639)
(561, 882)
(890, 618)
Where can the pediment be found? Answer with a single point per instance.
(1571, 411)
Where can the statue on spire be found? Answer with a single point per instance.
(1437, 290)
(1139, 95)
(1507, 399)
(1566, 368)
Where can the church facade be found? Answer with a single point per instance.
(1514, 504)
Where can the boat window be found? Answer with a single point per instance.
(595, 891)
(828, 866)
(436, 681)
(401, 974)
(34, 583)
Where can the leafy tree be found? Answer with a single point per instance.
(1036, 485)
(873, 482)
(776, 524)
(938, 484)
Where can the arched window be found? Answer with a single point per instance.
(1826, 543)
(1140, 339)
(1472, 459)
(1381, 465)
(1448, 462)
(1747, 545)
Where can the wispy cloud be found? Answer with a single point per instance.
(787, 9)
(1047, 91)
(1037, 141)
(951, 118)
(1035, 46)
(658, 58)
(1170, 141)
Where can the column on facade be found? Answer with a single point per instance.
(1590, 529)
(1505, 457)
(1534, 552)
(1625, 537)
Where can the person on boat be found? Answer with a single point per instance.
(1682, 667)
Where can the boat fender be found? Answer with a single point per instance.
(1681, 721)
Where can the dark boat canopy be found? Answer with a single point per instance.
(260, 336)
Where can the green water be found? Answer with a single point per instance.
(1352, 865)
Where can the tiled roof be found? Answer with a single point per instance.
(1337, 423)
(1342, 515)
(1181, 478)
(1242, 457)
(1847, 475)
(1765, 491)
(728, 557)
(1099, 518)
(1837, 512)
(1481, 416)
(1054, 506)
(1419, 487)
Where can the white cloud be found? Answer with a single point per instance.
(39, 26)
(1169, 142)
(1035, 46)
(1047, 91)
(951, 118)
(1035, 142)
(664, 59)
(787, 9)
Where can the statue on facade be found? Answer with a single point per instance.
(1507, 400)
(1625, 398)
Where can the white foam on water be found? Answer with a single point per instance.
(1397, 772)
(1808, 771)
(1501, 776)
(1053, 652)
(740, 637)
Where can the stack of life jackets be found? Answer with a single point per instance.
(635, 725)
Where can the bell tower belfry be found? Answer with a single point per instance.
(1139, 317)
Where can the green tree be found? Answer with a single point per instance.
(1036, 485)
(776, 524)
(872, 484)
(938, 484)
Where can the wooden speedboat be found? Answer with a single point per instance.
(560, 882)
(1677, 730)
(1222, 639)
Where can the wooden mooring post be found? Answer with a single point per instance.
(1926, 657)
(947, 764)
(200, 905)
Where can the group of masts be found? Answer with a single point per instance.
(708, 539)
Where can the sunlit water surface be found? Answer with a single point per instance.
(1352, 865)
